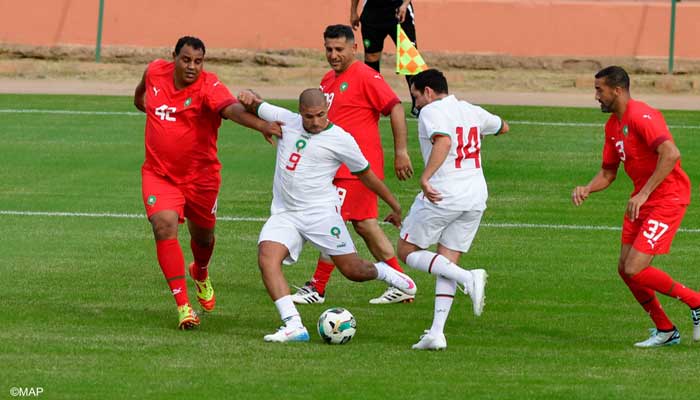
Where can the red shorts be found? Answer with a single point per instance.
(195, 200)
(653, 231)
(358, 202)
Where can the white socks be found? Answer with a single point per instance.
(288, 312)
(445, 290)
(437, 264)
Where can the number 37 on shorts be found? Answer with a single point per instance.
(653, 233)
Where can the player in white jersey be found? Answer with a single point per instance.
(305, 204)
(453, 198)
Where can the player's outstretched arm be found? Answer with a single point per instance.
(250, 100)
(139, 94)
(402, 162)
(602, 180)
(236, 112)
(375, 184)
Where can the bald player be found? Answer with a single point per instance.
(305, 204)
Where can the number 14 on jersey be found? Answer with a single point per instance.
(469, 148)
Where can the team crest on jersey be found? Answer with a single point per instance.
(335, 231)
(625, 130)
(188, 101)
(151, 200)
(366, 42)
(300, 144)
(343, 86)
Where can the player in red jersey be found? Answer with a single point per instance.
(357, 95)
(181, 176)
(637, 136)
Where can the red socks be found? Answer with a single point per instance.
(322, 275)
(202, 255)
(172, 263)
(394, 263)
(648, 300)
(661, 282)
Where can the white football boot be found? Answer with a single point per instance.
(307, 294)
(658, 339)
(477, 290)
(430, 341)
(695, 314)
(392, 295)
(399, 280)
(287, 334)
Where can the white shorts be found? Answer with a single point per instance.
(323, 228)
(427, 224)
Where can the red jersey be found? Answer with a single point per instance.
(356, 97)
(634, 140)
(182, 125)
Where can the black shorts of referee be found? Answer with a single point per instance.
(378, 19)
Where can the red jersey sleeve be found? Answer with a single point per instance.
(216, 94)
(651, 126)
(379, 93)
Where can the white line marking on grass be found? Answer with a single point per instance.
(260, 219)
(69, 112)
(135, 113)
(110, 215)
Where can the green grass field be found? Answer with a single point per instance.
(87, 313)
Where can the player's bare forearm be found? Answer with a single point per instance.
(354, 17)
(600, 181)
(139, 94)
(250, 100)
(438, 154)
(236, 112)
(669, 155)
(402, 161)
(401, 11)
(398, 128)
(505, 128)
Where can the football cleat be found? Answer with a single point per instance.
(399, 280)
(695, 314)
(393, 295)
(431, 341)
(477, 290)
(308, 294)
(205, 291)
(188, 317)
(658, 339)
(287, 334)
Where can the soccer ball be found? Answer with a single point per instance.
(336, 326)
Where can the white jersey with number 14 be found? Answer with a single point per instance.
(460, 178)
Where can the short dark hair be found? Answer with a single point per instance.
(614, 77)
(191, 41)
(431, 78)
(339, 31)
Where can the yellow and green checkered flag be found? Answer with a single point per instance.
(408, 59)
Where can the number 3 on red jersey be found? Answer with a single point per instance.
(469, 149)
